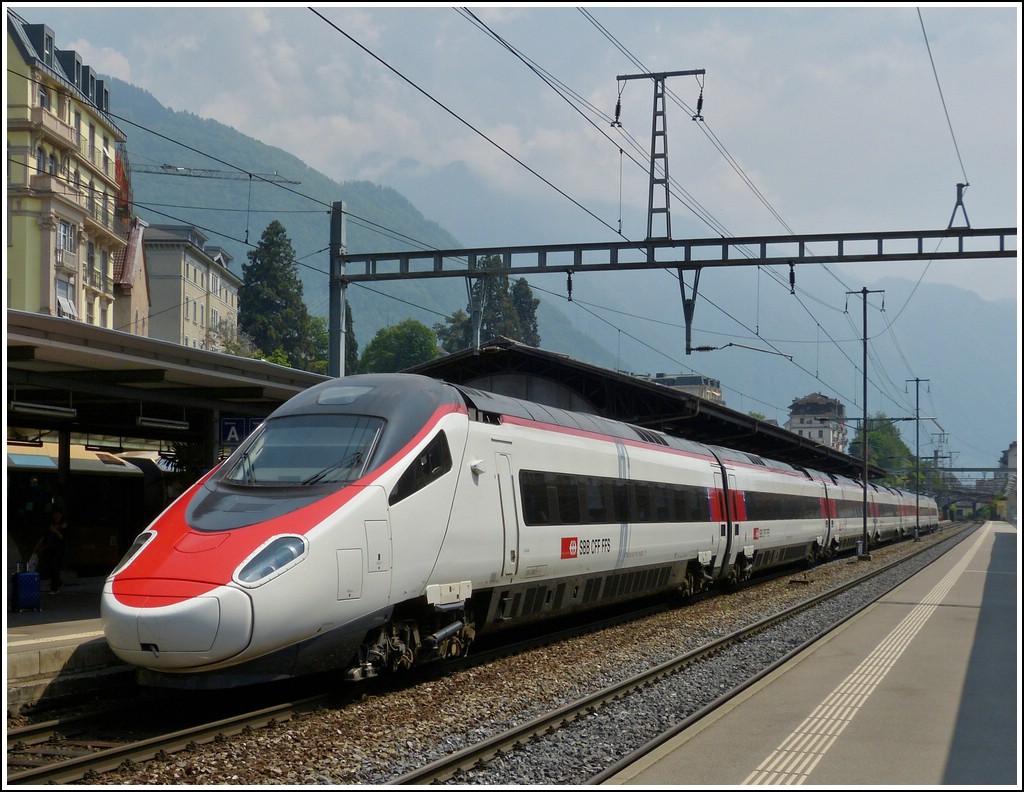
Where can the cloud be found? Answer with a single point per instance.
(104, 60)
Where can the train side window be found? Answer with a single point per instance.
(534, 492)
(662, 503)
(433, 462)
(597, 505)
(619, 500)
(568, 499)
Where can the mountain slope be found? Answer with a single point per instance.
(234, 211)
(768, 346)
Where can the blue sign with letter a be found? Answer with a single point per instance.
(232, 431)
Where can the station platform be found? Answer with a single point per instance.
(922, 688)
(58, 652)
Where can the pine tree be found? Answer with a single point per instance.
(351, 345)
(271, 310)
(509, 311)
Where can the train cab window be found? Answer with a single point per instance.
(303, 450)
(433, 462)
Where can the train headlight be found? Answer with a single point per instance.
(272, 559)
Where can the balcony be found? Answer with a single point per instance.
(98, 218)
(65, 261)
(98, 281)
(54, 128)
(48, 183)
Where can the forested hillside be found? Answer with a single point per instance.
(234, 209)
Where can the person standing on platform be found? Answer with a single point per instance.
(52, 557)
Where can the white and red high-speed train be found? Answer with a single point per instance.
(378, 521)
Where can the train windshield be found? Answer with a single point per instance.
(302, 450)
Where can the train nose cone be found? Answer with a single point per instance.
(168, 632)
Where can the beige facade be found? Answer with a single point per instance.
(132, 304)
(820, 419)
(696, 385)
(66, 204)
(192, 284)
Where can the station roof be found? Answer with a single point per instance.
(111, 379)
(638, 401)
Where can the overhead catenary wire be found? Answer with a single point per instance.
(432, 99)
(756, 328)
(942, 98)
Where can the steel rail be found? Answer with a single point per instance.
(450, 767)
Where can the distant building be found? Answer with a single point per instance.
(1008, 460)
(193, 291)
(696, 385)
(821, 419)
(132, 303)
(67, 188)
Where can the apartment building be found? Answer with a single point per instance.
(696, 385)
(191, 284)
(68, 192)
(821, 419)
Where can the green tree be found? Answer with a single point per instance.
(271, 310)
(455, 333)
(525, 306)
(399, 347)
(509, 310)
(886, 449)
(351, 345)
(320, 337)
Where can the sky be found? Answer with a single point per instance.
(496, 121)
(815, 119)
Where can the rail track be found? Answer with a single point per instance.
(84, 747)
(473, 763)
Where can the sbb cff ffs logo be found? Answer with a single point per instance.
(574, 547)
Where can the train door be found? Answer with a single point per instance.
(721, 513)
(828, 510)
(509, 514)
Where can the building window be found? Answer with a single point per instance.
(66, 300)
(66, 236)
(51, 164)
(40, 160)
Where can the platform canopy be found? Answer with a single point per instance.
(514, 369)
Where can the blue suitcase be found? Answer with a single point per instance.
(25, 591)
